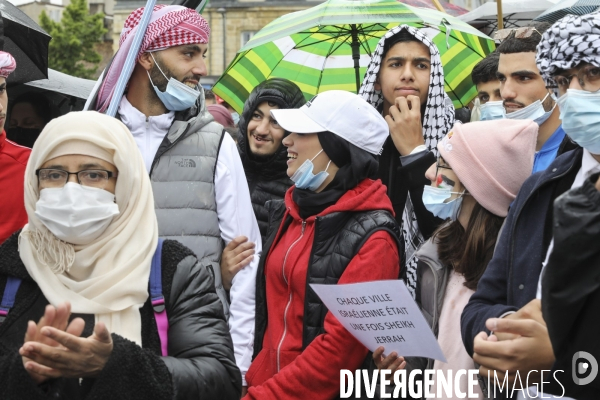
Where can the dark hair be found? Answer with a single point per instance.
(39, 102)
(529, 44)
(470, 251)
(208, 94)
(486, 69)
(401, 37)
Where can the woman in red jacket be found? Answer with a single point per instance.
(335, 225)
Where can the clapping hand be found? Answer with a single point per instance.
(54, 350)
(54, 317)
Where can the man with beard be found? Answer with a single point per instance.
(405, 82)
(524, 91)
(200, 191)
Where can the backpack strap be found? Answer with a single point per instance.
(8, 299)
(157, 298)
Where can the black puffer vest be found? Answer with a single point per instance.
(262, 191)
(267, 177)
(338, 238)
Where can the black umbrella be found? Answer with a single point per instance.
(27, 42)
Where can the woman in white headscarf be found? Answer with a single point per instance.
(87, 253)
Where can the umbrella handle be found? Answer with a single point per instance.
(131, 59)
(448, 30)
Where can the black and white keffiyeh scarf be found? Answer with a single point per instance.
(438, 120)
(567, 43)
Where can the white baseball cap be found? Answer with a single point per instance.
(346, 114)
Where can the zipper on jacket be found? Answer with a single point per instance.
(287, 307)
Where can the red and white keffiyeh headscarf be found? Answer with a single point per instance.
(169, 26)
(7, 64)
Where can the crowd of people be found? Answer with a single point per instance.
(167, 253)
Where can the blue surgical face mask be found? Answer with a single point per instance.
(236, 117)
(492, 110)
(580, 115)
(534, 111)
(434, 197)
(178, 96)
(304, 178)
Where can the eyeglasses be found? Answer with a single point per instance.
(587, 75)
(57, 178)
(443, 166)
(519, 33)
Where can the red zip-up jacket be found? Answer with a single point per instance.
(13, 160)
(282, 370)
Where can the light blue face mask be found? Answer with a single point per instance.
(580, 115)
(178, 96)
(236, 117)
(492, 110)
(433, 200)
(534, 111)
(304, 178)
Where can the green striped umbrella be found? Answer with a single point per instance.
(329, 46)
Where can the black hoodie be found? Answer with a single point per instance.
(267, 177)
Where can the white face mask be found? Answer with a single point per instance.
(76, 214)
(534, 111)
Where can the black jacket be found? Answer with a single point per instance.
(404, 179)
(267, 177)
(571, 286)
(200, 364)
(511, 278)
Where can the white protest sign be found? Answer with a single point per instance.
(382, 313)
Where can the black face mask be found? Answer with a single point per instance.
(23, 136)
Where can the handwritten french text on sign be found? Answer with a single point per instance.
(382, 313)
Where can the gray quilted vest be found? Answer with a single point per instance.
(183, 182)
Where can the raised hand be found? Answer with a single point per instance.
(404, 121)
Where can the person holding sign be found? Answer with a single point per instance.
(335, 225)
(481, 168)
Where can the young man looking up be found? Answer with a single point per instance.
(200, 191)
(405, 82)
(524, 91)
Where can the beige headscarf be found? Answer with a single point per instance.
(109, 276)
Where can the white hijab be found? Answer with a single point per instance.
(109, 276)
